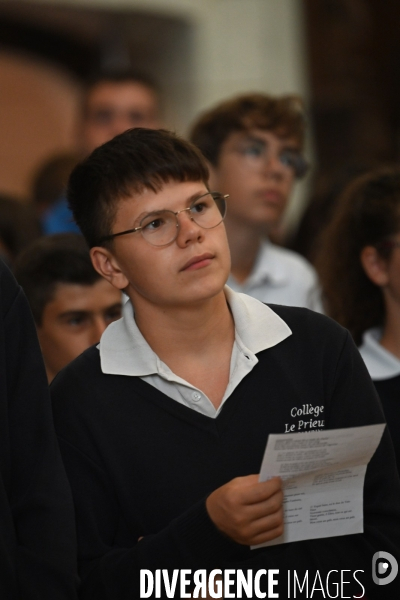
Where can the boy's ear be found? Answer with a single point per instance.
(107, 265)
(374, 265)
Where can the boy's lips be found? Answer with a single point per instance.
(272, 196)
(198, 261)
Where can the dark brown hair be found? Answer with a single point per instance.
(284, 115)
(368, 212)
(51, 179)
(131, 162)
(49, 261)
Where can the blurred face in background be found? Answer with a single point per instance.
(113, 107)
(385, 271)
(74, 320)
(392, 289)
(254, 168)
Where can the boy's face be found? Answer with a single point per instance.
(74, 320)
(166, 275)
(114, 107)
(253, 169)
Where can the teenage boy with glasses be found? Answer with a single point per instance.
(254, 146)
(163, 425)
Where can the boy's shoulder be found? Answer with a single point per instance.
(311, 329)
(305, 317)
(85, 369)
(80, 391)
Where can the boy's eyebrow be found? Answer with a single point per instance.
(188, 201)
(112, 306)
(253, 137)
(85, 313)
(73, 313)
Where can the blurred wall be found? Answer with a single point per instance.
(37, 117)
(237, 44)
(222, 47)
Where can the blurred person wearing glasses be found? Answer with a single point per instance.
(253, 144)
(163, 425)
(115, 102)
(112, 103)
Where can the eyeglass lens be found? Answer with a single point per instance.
(161, 228)
(257, 152)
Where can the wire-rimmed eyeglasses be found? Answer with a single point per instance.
(256, 153)
(161, 227)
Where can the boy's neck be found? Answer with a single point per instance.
(244, 244)
(184, 330)
(195, 343)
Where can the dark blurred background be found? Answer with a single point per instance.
(353, 51)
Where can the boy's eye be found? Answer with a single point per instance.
(289, 158)
(136, 117)
(253, 150)
(153, 224)
(113, 314)
(295, 161)
(76, 320)
(199, 208)
(102, 117)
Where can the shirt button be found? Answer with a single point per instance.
(196, 397)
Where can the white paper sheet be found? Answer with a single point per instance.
(323, 476)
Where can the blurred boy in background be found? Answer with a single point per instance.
(113, 103)
(254, 146)
(71, 303)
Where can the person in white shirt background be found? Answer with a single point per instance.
(254, 144)
(359, 268)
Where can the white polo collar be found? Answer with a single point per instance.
(381, 363)
(268, 266)
(124, 351)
